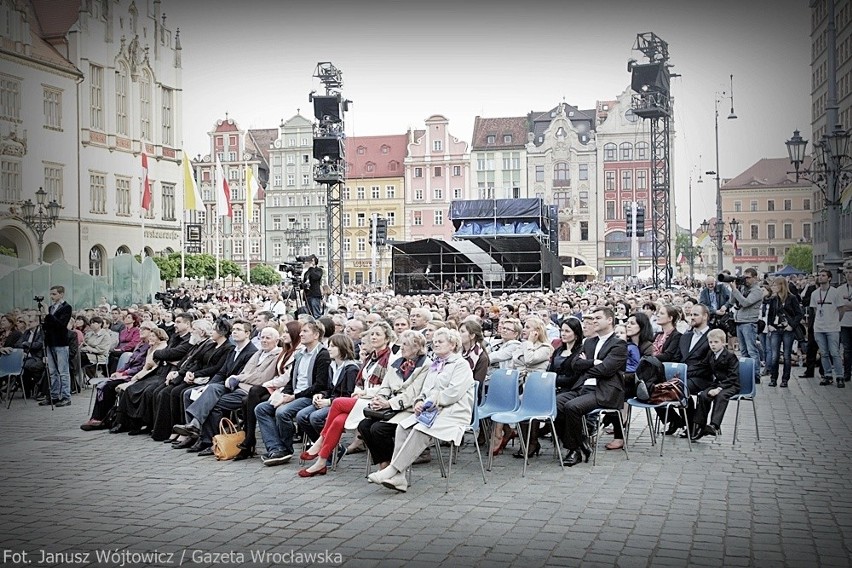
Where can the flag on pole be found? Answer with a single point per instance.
(733, 237)
(191, 197)
(146, 184)
(252, 192)
(681, 258)
(223, 192)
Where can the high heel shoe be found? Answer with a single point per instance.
(532, 453)
(245, 453)
(504, 441)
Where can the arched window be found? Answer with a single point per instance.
(121, 88)
(560, 175)
(96, 261)
(145, 106)
(609, 152)
(626, 151)
(642, 151)
(122, 250)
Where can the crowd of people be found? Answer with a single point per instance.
(390, 374)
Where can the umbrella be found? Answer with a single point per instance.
(788, 271)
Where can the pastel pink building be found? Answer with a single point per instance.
(436, 172)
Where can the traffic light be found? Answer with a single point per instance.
(381, 230)
(628, 220)
(370, 235)
(640, 221)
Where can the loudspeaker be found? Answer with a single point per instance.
(327, 108)
(553, 229)
(331, 147)
(653, 75)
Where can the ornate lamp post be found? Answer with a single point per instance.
(296, 236)
(39, 221)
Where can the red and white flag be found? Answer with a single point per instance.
(146, 184)
(223, 192)
(733, 237)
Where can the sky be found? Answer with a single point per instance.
(404, 61)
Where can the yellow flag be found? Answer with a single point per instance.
(191, 197)
(252, 189)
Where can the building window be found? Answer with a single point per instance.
(291, 201)
(439, 217)
(770, 232)
(806, 204)
(417, 217)
(306, 200)
(584, 172)
(167, 118)
(254, 247)
(238, 247)
(121, 82)
(10, 98)
(609, 152)
(391, 218)
(609, 181)
(626, 179)
(770, 205)
(10, 177)
(562, 199)
(291, 180)
(306, 159)
(437, 145)
(641, 179)
(788, 205)
(321, 249)
(96, 97)
(96, 261)
(238, 217)
(584, 201)
(276, 222)
(359, 192)
(738, 207)
(361, 244)
(321, 218)
(806, 231)
(560, 175)
(418, 172)
(610, 210)
(641, 150)
(168, 202)
(52, 108)
(788, 231)
(755, 231)
(490, 139)
(122, 195)
(345, 194)
(306, 180)
(584, 230)
(361, 219)
(145, 106)
(626, 151)
(456, 171)
(457, 193)
(374, 192)
(539, 173)
(437, 171)
(347, 220)
(507, 139)
(255, 214)
(276, 250)
(753, 206)
(53, 182)
(418, 195)
(390, 191)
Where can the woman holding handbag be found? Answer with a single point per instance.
(785, 315)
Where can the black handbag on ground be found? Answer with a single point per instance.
(384, 414)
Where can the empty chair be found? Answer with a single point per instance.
(672, 370)
(748, 392)
(12, 368)
(538, 403)
(502, 395)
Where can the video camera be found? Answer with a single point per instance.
(722, 277)
(38, 299)
(167, 297)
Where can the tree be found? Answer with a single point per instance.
(229, 268)
(683, 243)
(200, 266)
(8, 251)
(265, 275)
(169, 267)
(800, 257)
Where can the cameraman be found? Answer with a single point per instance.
(748, 303)
(312, 285)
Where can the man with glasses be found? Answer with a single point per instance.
(748, 302)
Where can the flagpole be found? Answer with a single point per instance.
(246, 213)
(141, 200)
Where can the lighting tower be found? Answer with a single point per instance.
(652, 100)
(330, 170)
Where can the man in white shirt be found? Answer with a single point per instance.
(826, 304)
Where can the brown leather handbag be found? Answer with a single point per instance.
(225, 444)
(669, 391)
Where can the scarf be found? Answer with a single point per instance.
(405, 369)
(378, 365)
(437, 365)
(472, 355)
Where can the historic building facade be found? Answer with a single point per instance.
(87, 87)
(436, 173)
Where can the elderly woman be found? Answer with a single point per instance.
(400, 387)
(128, 339)
(95, 347)
(447, 391)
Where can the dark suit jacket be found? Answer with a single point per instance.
(55, 326)
(609, 389)
(722, 297)
(671, 347)
(318, 379)
(234, 365)
(726, 372)
(697, 366)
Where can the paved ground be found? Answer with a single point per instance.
(782, 501)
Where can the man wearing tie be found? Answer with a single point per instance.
(600, 365)
(55, 328)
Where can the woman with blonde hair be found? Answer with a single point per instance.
(783, 317)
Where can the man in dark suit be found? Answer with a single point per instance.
(599, 365)
(725, 367)
(693, 353)
(55, 327)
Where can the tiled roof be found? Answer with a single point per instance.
(768, 173)
(516, 126)
(258, 141)
(58, 19)
(375, 156)
(55, 17)
(227, 125)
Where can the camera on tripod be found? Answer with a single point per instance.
(38, 299)
(740, 280)
(167, 298)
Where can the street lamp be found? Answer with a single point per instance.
(830, 171)
(39, 221)
(720, 225)
(296, 236)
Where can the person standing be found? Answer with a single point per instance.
(826, 303)
(846, 323)
(749, 302)
(785, 315)
(312, 285)
(55, 328)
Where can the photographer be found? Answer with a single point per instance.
(312, 285)
(748, 302)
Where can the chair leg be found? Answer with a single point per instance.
(367, 473)
(449, 467)
(597, 439)
(441, 456)
(736, 423)
(663, 442)
(556, 443)
(756, 428)
(688, 428)
(479, 455)
(526, 445)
